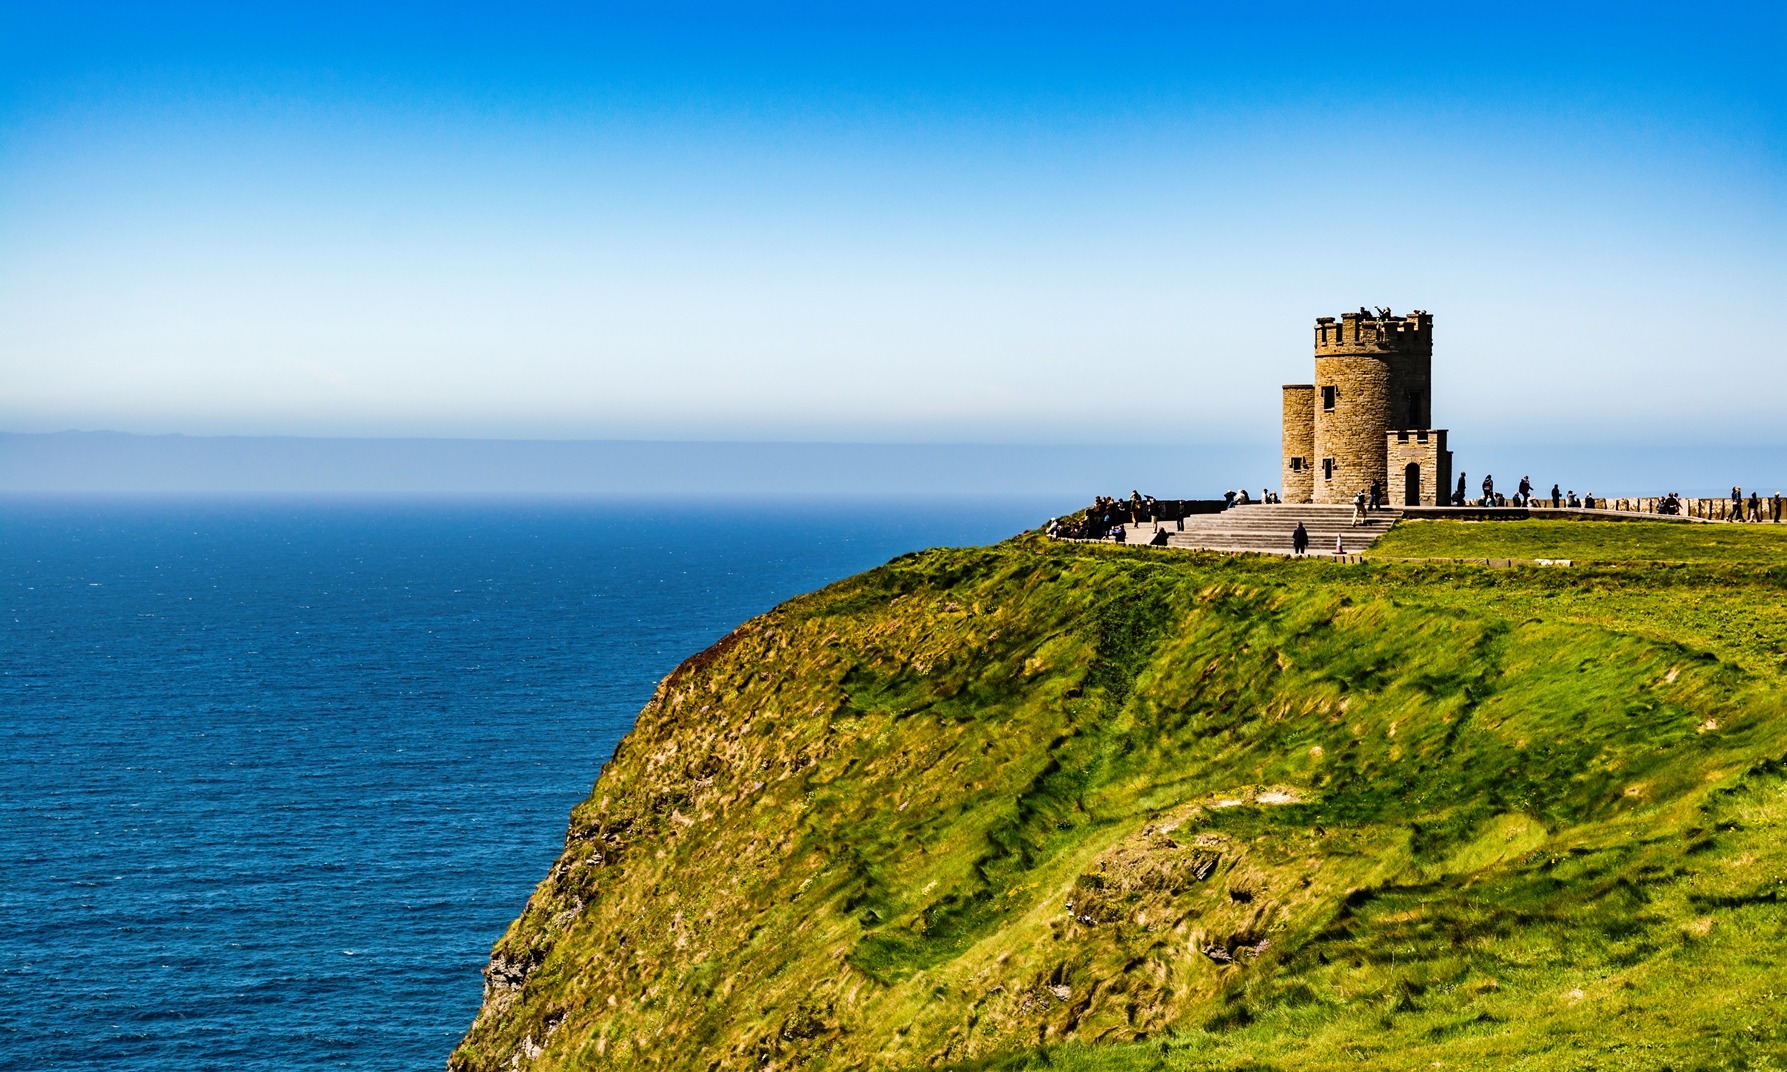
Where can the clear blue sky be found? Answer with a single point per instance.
(1022, 223)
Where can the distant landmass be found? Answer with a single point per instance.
(121, 463)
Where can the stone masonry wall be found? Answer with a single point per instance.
(1297, 479)
(1411, 390)
(1426, 449)
(1352, 433)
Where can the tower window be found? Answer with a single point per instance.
(1328, 396)
(1327, 468)
(1296, 465)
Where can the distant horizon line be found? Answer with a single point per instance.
(1600, 442)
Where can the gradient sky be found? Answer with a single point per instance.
(1018, 223)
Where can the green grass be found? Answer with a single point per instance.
(1306, 815)
(1588, 540)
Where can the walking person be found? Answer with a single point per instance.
(1458, 495)
(1359, 509)
(1755, 507)
(1488, 490)
(1778, 502)
(1737, 504)
(1525, 493)
(1299, 540)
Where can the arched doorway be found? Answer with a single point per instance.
(1411, 484)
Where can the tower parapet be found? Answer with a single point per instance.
(1382, 332)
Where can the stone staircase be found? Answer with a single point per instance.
(1259, 527)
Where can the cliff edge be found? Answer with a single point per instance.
(1108, 809)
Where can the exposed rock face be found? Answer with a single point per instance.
(979, 801)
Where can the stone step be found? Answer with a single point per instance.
(1267, 528)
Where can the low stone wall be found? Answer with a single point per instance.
(1706, 509)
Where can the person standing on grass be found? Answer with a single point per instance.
(1777, 503)
(1737, 504)
(1488, 490)
(1299, 539)
(1755, 507)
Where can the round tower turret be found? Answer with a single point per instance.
(1371, 376)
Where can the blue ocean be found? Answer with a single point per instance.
(278, 773)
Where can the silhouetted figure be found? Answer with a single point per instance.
(1299, 539)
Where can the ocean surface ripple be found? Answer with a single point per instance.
(277, 774)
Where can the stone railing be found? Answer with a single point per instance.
(1706, 509)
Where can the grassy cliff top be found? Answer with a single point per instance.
(1591, 541)
(1080, 806)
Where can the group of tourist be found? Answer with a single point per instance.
(1372, 498)
(1239, 497)
(1525, 494)
(1757, 506)
(1107, 517)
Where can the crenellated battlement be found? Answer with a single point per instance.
(1380, 332)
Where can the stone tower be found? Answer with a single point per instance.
(1366, 416)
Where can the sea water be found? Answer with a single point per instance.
(277, 774)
